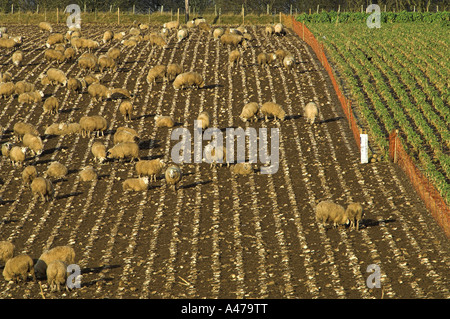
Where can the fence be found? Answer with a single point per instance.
(427, 192)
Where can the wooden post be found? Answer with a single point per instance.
(317, 9)
(280, 16)
(162, 9)
(57, 15)
(118, 15)
(310, 11)
(12, 8)
(186, 10)
(290, 12)
(215, 10)
(85, 7)
(243, 14)
(110, 8)
(37, 9)
(134, 8)
(267, 9)
(178, 15)
(220, 14)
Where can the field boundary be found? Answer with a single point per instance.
(397, 153)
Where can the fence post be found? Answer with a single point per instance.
(57, 15)
(133, 8)
(317, 9)
(118, 15)
(178, 15)
(37, 9)
(243, 15)
(12, 8)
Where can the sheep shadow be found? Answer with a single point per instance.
(195, 184)
(52, 150)
(148, 144)
(331, 120)
(151, 157)
(68, 195)
(144, 116)
(292, 117)
(373, 223)
(211, 86)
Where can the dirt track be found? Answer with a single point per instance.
(218, 236)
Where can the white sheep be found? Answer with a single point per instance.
(173, 69)
(6, 148)
(217, 33)
(65, 254)
(57, 275)
(233, 40)
(30, 97)
(88, 174)
(54, 39)
(108, 36)
(54, 55)
(249, 111)
(171, 25)
(126, 109)
(42, 187)
(51, 105)
(105, 61)
(69, 54)
(33, 143)
(76, 85)
(17, 58)
(279, 29)
(23, 87)
(135, 184)
(310, 112)
(29, 174)
(123, 150)
(114, 53)
(17, 155)
(269, 30)
(99, 92)
(215, 154)
(119, 93)
(56, 170)
(45, 26)
(21, 128)
(288, 62)
(6, 251)
(182, 34)
(158, 71)
(151, 168)
(5, 77)
(92, 78)
(164, 121)
(235, 57)
(272, 109)
(99, 151)
(87, 63)
(7, 89)
(92, 123)
(244, 168)
(265, 59)
(122, 136)
(173, 176)
(354, 213)
(57, 76)
(188, 79)
(327, 211)
(18, 268)
(203, 120)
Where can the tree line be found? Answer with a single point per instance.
(226, 6)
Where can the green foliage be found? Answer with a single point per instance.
(386, 17)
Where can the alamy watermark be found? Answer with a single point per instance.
(74, 279)
(73, 20)
(374, 20)
(257, 146)
(374, 279)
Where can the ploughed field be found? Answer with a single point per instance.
(218, 235)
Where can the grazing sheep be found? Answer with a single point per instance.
(129, 43)
(43, 187)
(99, 151)
(7, 89)
(17, 268)
(54, 39)
(310, 112)
(158, 71)
(151, 168)
(182, 34)
(51, 105)
(232, 39)
(65, 254)
(57, 275)
(217, 33)
(77, 43)
(56, 129)
(88, 174)
(69, 54)
(281, 54)
(6, 148)
(108, 36)
(92, 78)
(354, 212)
(214, 155)
(23, 87)
(45, 80)
(87, 63)
(31, 97)
(119, 35)
(45, 26)
(98, 91)
(17, 155)
(57, 76)
(17, 58)
(114, 53)
(126, 109)
(269, 30)
(199, 20)
(203, 120)
(106, 62)
(21, 128)
(235, 57)
(60, 47)
(6, 251)
(90, 44)
(34, 143)
(279, 29)
(5, 77)
(249, 111)
(327, 211)
(288, 62)
(92, 123)
(119, 93)
(164, 121)
(173, 69)
(123, 150)
(265, 59)
(272, 109)
(171, 25)
(188, 79)
(29, 174)
(173, 176)
(190, 24)
(134, 31)
(203, 26)
(156, 39)
(56, 170)
(9, 43)
(76, 85)
(242, 169)
(135, 184)
(122, 136)
(128, 129)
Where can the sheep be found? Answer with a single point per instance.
(43, 187)
(92, 123)
(354, 212)
(265, 59)
(6, 251)
(51, 105)
(29, 174)
(232, 39)
(249, 111)
(126, 109)
(274, 109)
(88, 174)
(90, 44)
(21, 128)
(190, 24)
(158, 71)
(143, 26)
(199, 20)
(281, 54)
(128, 129)
(5, 77)
(56, 170)
(279, 29)
(98, 91)
(203, 120)
(106, 62)
(62, 129)
(18, 268)
(182, 34)
(77, 43)
(172, 176)
(99, 151)
(203, 26)
(33, 143)
(217, 33)
(9, 43)
(269, 30)
(69, 54)
(242, 168)
(327, 211)
(92, 78)
(72, 128)
(119, 93)
(56, 275)
(60, 47)
(135, 31)
(151, 168)
(7, 89)
(171, 25)
(135, 184)
(173, 69)
(23, 87)
(129, 43)
(156, 39)
(122, 136)
(45, 26)
(288, 62)
(119, 35)
(188, 79)
(234, 57)
(122, 150)
(17, 58)
(108, 36)
(57, 76)
(45, 80)
(17, 155)
(310, 111)
(54, 39)
(30, 97)
(114, 53)
(215, 154)
(65, 254)
(76, 85)
(6, 148)
(164, 121)
(87, 63)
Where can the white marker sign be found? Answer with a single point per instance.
(364, 148)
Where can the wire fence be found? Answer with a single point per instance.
(431, 197)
